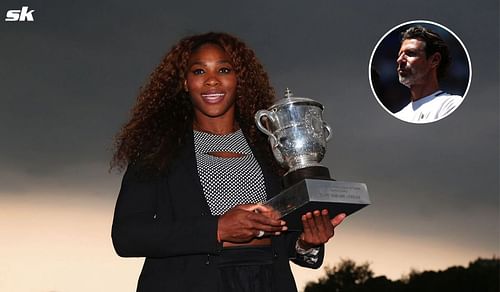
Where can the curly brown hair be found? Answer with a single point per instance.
(163, 112)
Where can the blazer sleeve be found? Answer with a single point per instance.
(144, 224)
(291, 239)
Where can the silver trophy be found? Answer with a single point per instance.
(298, 136)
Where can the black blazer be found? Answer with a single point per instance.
(167, 220)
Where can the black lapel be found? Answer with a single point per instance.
(183, 178)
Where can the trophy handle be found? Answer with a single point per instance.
(329, 130)
(258, 116)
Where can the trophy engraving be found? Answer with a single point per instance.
(298, 136)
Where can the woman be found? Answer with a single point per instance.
(197, 169)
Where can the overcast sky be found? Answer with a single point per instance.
(69, 78)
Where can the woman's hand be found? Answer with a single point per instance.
(245, 222)
(318, 228)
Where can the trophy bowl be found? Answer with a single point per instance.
(296, 131)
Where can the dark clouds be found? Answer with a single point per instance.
(70, 78)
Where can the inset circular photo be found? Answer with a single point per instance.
(420, 71)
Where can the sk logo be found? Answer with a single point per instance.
(20, 15)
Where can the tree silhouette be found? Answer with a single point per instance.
(482, 275)
(347, 276)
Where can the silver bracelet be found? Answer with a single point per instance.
(313, 251)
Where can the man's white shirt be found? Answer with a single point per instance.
(430, 108)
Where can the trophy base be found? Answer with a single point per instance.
(314, 172)
(318, 194)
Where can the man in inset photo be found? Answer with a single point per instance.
(422, 62)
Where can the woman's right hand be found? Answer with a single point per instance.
(245, 222)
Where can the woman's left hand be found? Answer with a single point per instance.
(318, 228)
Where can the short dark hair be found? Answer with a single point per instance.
(433, 44)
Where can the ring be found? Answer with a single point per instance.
(261, 233)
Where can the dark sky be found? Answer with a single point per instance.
(69, 79)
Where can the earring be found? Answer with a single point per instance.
(185, 86)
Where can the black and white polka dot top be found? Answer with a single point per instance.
(228, 182)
